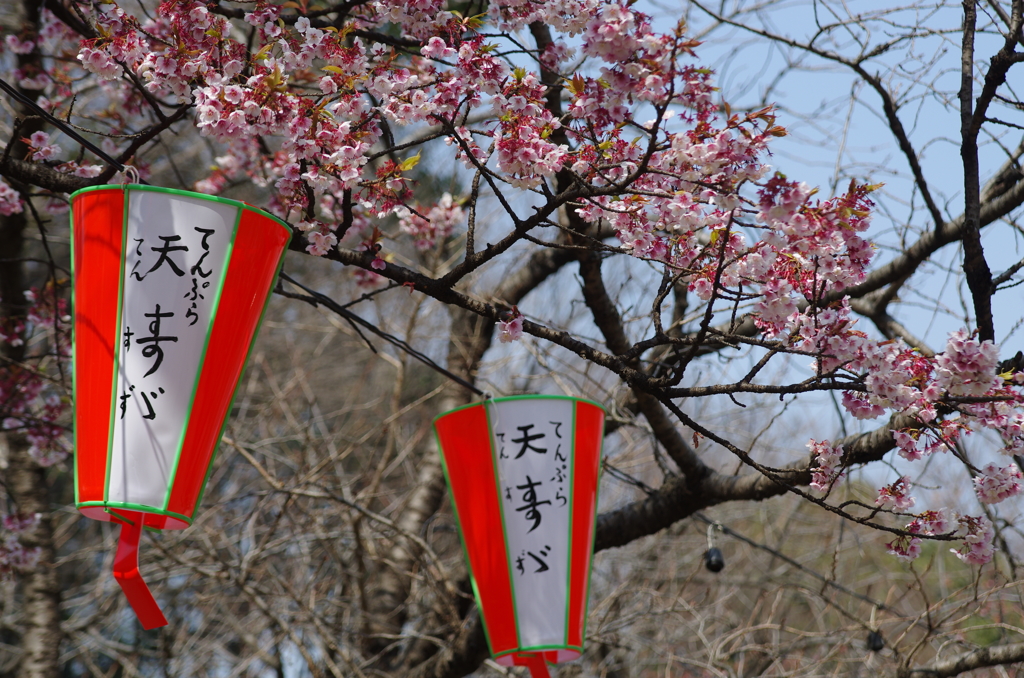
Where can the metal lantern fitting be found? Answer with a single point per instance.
(169, 290)
(523, 474)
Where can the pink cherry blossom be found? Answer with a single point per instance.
(994, 484)
(978, 547)
(905, 548)
(940, 521)
(896, 495)
(99, 62)
(320, 243)
(42, 148)
(860, 407)
(13, 555)
(10, 201)
(512, 329)
(968, 367)
(829, 461)
(436, 224)
(19, 46)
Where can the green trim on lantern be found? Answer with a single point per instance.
(540, 648)
(522, 397)
(215, 308)
(118, 515)
(572, 496)
(117, 345)
(142, 508)
(501, 512)
(74, 381)
(462, 540)
(241, 376)
(188, 194)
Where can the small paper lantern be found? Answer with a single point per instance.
(523, 474)
(169, 290)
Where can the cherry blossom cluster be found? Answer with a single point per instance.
(42, 149)
(438, 223)
(511, 328)
(994, 484)
(905, 548)
(569, 17)
(418, 18)
(13, 555)
(121, 44)
(897, 378)
(967, 367)
(977, 532)
(10, 201)
(1004, 416)
(829, 461)
(916, 443)
(896, 496)
(53, 81)
(525, 152)
(978, 547)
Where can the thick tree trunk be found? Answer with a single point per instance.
(26, 484)
(41, 638)
(24, 478)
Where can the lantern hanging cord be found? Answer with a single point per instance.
(714, 525)
(315, 298)
(60, 124)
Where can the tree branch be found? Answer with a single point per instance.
(969, 661)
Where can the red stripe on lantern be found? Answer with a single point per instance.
(589, 435)
(474, 489)
(97, 269)
(255, 255)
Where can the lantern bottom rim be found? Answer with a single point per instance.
(552, 654)
(154, 518)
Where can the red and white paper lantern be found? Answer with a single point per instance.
(169, 290)
(523, 475)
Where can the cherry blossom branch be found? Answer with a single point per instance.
(1003, 194)
(43, 176)
(889, 106)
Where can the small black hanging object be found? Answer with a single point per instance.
(713, 559)
(875, 641)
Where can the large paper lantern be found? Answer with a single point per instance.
(523, 475)
(169, 290)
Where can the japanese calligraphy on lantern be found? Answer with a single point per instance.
(174, 262)
(533, 446)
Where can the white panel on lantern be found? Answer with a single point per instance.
(175, 254)
(533, 440)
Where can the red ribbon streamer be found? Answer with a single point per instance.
(538, 667)
(126, 571)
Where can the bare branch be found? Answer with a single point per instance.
(993, 655)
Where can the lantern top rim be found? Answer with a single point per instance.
(188, 194)
(531, 396)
